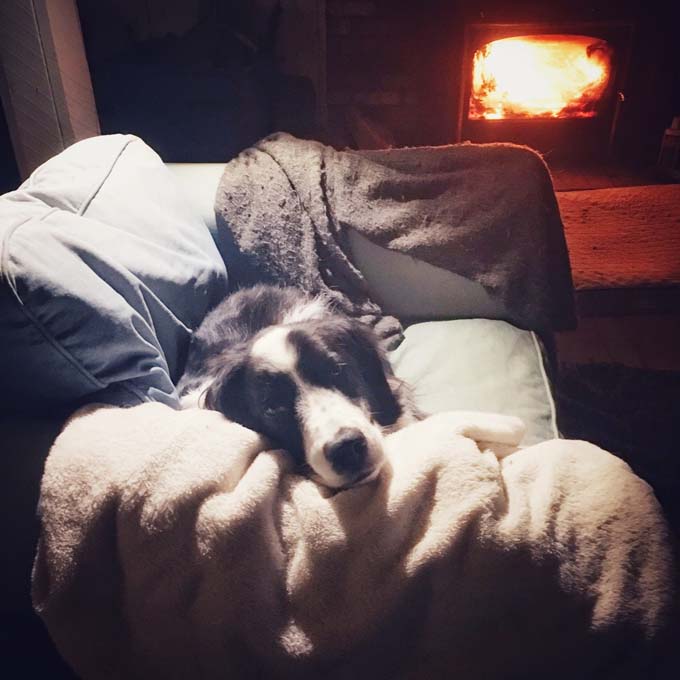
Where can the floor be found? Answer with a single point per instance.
(641, 341)
(573, 177)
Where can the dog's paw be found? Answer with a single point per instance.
(489, 428)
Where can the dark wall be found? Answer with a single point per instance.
(653, 90)
(197, 79)
(9, 173)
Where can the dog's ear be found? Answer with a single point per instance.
(377, 373)
(226, 392)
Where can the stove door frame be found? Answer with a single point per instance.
(597, 135)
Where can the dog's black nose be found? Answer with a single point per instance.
(347, 452)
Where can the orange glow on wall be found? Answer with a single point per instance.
(546, 76)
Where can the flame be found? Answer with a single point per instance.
(549, 76)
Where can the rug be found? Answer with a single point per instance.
(623, 236)
(632, 412)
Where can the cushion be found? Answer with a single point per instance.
(105, 270)
(478, 365)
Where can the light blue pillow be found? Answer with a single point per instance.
(105, 269)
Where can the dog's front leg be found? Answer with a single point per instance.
(492, 428)
(499, 433)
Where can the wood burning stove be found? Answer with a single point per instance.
(556, 87)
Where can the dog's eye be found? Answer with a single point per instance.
(338, 369)
(275, 411)
(275, 395)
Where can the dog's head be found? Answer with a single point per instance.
(319, 389)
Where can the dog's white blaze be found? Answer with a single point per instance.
(273, 347)
(306, 311)
(324, 413)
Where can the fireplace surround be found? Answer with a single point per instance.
(584, 133)
(394, 70)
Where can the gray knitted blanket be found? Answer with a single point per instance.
(484, 211)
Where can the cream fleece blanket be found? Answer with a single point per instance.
(174, 546)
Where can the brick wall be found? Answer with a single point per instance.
(390, 68)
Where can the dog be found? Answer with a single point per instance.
(317, 384)
(312, 380)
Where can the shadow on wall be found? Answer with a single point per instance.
(201, 94)
(23, 637)
(9, 173)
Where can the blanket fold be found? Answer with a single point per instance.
(173, 545)
(487, 212)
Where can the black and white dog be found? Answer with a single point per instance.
(313, 381)
(316, 383)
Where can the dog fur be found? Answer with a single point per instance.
(313, 381)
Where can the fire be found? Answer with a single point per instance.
(548, 76)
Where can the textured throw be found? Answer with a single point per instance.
(173, 546)
(486, 212)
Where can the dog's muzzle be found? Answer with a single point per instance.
(348, 452)
(342, 445)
